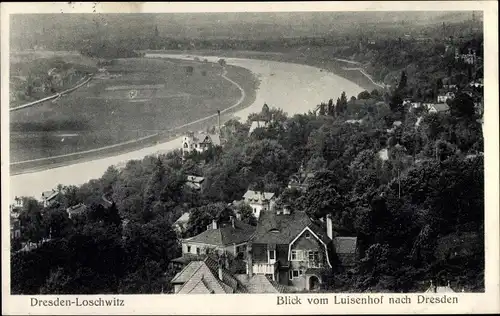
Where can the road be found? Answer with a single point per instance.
(294, 88)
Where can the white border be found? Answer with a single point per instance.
(266, 304)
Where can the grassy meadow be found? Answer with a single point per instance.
(133, 98)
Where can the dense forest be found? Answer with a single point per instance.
(418, 209)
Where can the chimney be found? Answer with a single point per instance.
(220, 271)
(329, 226)
(232, 221)
(249, 260)
(214, 224)
(218, 120)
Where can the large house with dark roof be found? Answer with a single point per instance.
(229, 238)
(291, 249)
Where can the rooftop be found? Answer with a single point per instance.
(195, 179)
(255, 125)
(203, 277)
(260, 284)
(183, 219)
(284, 228)
(225, 235)
(259, 197)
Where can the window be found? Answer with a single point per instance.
(197, 251)
(301, 272)
(308, 235)
(297, 255)
(313, 258)
(272, 254)
(295, 274)
(254, 210)
(189, 249)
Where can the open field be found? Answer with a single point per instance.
(133, 99)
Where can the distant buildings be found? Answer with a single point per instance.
(437, 108)
(194, 182)
(259, 201)
(49, 198)
(439, 289)
(442, 98)
(76, 210)
(180, 225)
(257, 124)
(199, 142)
(300, 180)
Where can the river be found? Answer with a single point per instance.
(292, 87)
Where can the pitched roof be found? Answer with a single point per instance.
(284, 228)
(200, 137)
(183, 219)
(259, 197)
(75, 209)
(49, 195)
(439, 289)
(205, 277)
(195, 179)
(441, 107)
(259, 284)
(225, 235)
(345, 245)
(255, 125)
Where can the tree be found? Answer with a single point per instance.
(375, 94)
(402, 82)
(462, 106)
(364, 95)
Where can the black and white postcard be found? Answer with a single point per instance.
(290, 158)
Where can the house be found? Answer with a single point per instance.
(180, 225)
(439, 289)
(194, 182)
(15, 226)
(301, 180)
(49, 197)
(206, 276)
(18, 204)
(437, 108)
(76, 210)
(291, 249)
(257, 124)
(229, 238)
(209, 276)
(199, 142)
(442, 98)
(259, 201)
(346, 249)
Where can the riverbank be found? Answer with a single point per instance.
(341, 67)
(241, 78)
(294, 88)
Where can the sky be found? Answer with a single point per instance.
(220, 25)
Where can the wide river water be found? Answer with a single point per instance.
(292, 87)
